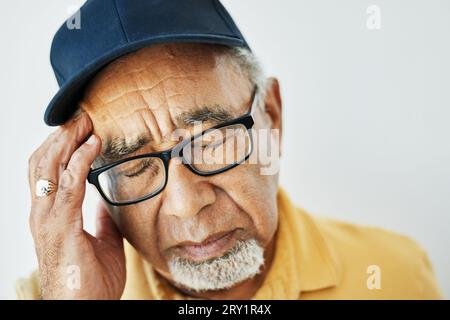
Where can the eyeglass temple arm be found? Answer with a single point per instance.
(255, 101)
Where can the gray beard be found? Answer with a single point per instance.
(242, 262)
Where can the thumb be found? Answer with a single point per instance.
(106, 229)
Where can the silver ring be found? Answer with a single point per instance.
(45, 188)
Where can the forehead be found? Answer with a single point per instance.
(145, 92)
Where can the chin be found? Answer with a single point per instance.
(241, 260)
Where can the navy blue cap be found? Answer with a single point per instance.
(112, 28)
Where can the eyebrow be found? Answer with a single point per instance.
(215, 114)
(118, 148)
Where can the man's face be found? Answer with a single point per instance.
(149, 94)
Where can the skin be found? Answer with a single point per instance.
(144, 93)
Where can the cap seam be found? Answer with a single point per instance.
(120, 21)
(219, 9)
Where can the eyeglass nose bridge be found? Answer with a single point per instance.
(178, 152)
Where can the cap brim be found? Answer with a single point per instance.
(65, 102)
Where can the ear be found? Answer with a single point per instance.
(273, 104)
(273, 107)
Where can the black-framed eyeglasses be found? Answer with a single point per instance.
(213, 151)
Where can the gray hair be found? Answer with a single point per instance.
(251, 68)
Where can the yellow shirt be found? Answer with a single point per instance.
(315, 258)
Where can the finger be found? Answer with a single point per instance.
(72, 184)
(41, 166)
(43, 148)
(72, 135)
(35, 157)
(106, 229)
(62, 144)
(56, 151)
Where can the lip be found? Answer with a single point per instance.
(212, 247)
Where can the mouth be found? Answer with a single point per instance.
(213, 246)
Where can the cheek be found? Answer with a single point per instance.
(256, 195)
(138, 226)
(262, 208)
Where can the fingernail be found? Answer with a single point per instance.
(92, 139)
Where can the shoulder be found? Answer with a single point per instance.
(375, 239)
(378, 262)
(28, 288)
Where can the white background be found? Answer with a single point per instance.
(366, 113)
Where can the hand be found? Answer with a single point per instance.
(63, 248)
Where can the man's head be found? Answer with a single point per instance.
(202, 232)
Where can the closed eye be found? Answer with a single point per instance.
(143, 167)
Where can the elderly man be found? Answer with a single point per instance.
(185, 212)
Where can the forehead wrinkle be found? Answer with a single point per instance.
(128, 131)
(131, 63)
(137, 90)
(151, 123)
(183, 57)
(113, 84)
(148, 119)
(172, 125)
(159, 70)
(106, 87)
(131, 67)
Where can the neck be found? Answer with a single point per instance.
(242, 291)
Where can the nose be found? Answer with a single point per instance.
(185, 193)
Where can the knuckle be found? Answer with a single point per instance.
(34, 157)
(66, 192)
(66, 197)
(37, 172)
(56, 132)
(56, 150)
(53, 136)
(66, 181)
(60, 137)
